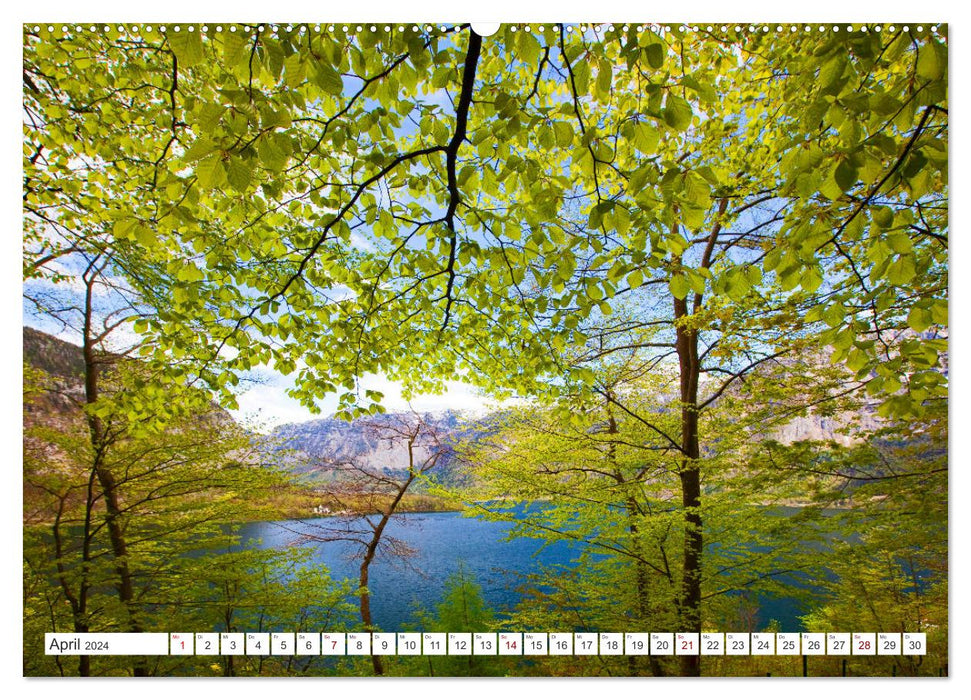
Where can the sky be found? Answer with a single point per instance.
(267, 405)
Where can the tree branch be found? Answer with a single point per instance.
(451, 157)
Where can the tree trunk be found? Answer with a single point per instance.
(690, 603)
(376, 661)
(372, 549)
(79, 602)
(99, 443)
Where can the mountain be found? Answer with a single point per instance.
(313, 447)
(62, 397)
(322, 448)
(63, 363)
(828, 428)
(318, 448)
(53, 355)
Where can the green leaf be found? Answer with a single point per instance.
(929, 64)
(693, 217)
(810, 279)
(883, 216)
(900, 243)
(581, 76)
(914, 165)
(328, 79)
(200, 148)
(737, 284)
(621, 220)
(902, 270)
(279, 118)
(856, 359)
(597, 213)
(186, 45)
(564, 133)
(145, 236)
(210, 172)
(695, 281)
(754, 275)
(239, 173)
(677, 113)
(846, 175)
(545, 137)
(884, 104)
(528, 48)
(830, 189)
(919, 319)
(236, 48)
(189, 273)
(124, 229)
(646, 138)
(295, 70)
(705, 91)
(604, 77)
(594, 290)
(679, 286)
(831, 74)
(274, 151)
(654, 53)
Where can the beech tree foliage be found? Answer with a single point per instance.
(279, 185)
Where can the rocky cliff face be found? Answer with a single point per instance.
(55, 382)
(52, 355)
(63, 386)
(826, 428)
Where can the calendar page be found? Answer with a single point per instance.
(422, 348)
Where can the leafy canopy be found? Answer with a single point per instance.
(431, 204)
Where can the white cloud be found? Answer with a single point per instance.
(458, 396)
(264, 407)
(267, 405)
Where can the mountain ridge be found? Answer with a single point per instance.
(320, 447)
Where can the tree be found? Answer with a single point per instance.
(506, 199)
(171, 491)
(243, 588)
(600, 478)
(890, 571)
(367, 496)
(127, 471)
(461, 609)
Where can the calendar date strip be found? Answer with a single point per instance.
(487, 644)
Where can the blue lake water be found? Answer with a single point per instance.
(439, 545)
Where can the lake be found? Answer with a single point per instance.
(441, 544)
